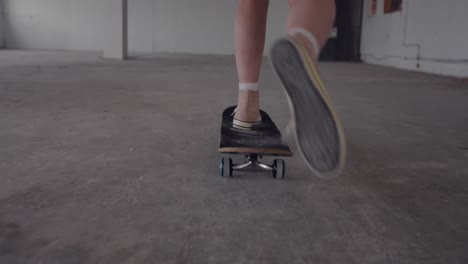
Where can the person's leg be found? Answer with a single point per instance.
(318, 132)
(314, 16)
(250, 31)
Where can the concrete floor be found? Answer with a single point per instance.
(116, 162)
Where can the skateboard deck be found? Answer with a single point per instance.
(264, 139)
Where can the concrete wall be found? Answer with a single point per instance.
(188, 26)
(1, 26)
(428, 35)
(54, 24)
(202, 26)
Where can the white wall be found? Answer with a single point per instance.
(53, 24)
(202, 26)
(433, 30)
(1, 25)
(187, 26)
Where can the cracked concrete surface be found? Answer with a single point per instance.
(116, 162)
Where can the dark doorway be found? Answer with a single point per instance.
(346, 43)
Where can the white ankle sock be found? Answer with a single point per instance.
(309, 36)
(254, 87)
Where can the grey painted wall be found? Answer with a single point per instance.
(54, 24)
(187, 26)
(433, 30)
(202, 26)
(1, 25)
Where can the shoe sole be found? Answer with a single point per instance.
(318, 132)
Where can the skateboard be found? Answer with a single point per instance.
(264, 139)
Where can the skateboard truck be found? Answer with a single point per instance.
(252, 164)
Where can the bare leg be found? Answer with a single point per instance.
(315, 16)
(250, 31)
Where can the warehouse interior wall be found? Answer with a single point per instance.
(426, 35)
(183, 26)
(2, 21)
(154, 26)
(187, 26)
(54, 24)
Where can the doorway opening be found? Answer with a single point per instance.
(345, 41)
